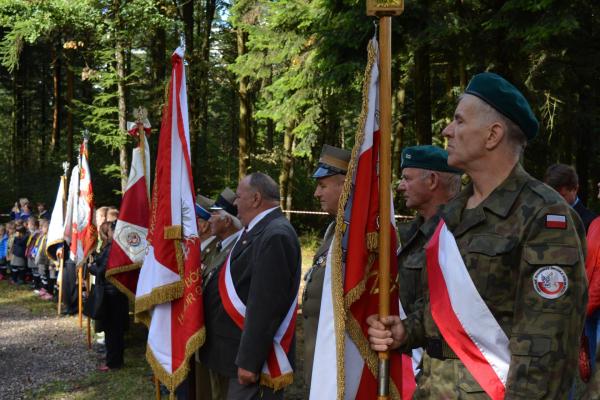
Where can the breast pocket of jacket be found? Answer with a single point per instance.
(492, 266)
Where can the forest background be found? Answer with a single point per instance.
(270, 81)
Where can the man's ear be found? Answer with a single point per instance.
(434, 180)
(495, 134)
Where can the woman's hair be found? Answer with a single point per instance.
(104, 230)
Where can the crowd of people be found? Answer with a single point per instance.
(515, 246)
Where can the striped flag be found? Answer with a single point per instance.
(84, 233)
(169, 292)
(345, 367)
(129, 239)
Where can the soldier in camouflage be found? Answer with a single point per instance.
(426, 183)
(510, 228)
(330, 175)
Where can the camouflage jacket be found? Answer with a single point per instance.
(411, 261)
(504, 242)
(311, 301)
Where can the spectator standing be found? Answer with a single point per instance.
(564, 180)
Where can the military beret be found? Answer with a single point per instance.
(225, 202)
(333, 161)
(428, 157)
(506, 99)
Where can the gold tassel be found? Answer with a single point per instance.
(372, 242)
(173, 232)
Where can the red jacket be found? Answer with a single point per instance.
(592, 266)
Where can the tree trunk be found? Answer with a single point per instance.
(69, 115)
(245, 116)
(204, 33)
(398, 129)
(286, 170)
(423, 95)
(120, 59)
(55, 138)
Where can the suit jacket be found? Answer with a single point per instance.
(586, 215)
(265, 269)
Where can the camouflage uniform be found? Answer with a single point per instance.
(311, 301)
(411, 261)
(504, 241)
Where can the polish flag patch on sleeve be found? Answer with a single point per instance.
(556, 221)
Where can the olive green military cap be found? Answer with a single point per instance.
(225, 202)
(428, 157)
(506, 99)
(333, 161)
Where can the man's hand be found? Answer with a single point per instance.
(387, 333)
(246, 377)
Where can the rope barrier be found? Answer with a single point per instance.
(397, 216)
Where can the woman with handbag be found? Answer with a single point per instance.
(109, 305)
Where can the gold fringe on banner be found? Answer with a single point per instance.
(171, 381)
(277, 383)
(339, 306)
(124, 268)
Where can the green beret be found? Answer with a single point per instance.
(506, 99)
(428, 157)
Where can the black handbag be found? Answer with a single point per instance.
(94, 306)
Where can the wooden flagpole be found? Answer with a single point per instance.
(62, 257)
(88, 285)
(385, 10)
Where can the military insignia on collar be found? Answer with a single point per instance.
(550, 282)
(321, 260)
(556, 221)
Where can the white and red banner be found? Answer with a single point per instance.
(277, 371)
(463, 318)
(129, 239)
(345, 367)
(84, 233)
(71, 213)
(169, 292)
(56, 229)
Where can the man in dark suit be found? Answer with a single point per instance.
(252, 297)
(564, 180)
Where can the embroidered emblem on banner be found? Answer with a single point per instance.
(556, 221)
(550, 282)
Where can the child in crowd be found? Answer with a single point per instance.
(18, 262)
(46, 269)
(25, 211)
(30, 252)
(3, 246)
(10, 232)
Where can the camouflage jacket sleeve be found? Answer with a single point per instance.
(546, 329)
(415, 331)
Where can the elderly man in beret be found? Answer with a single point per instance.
(506, 291)
(427, 182)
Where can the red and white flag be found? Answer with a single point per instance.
(69, 226)
(169, 292)
(345, 367)
(84, 233)
(463, 318)
(129, 240)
